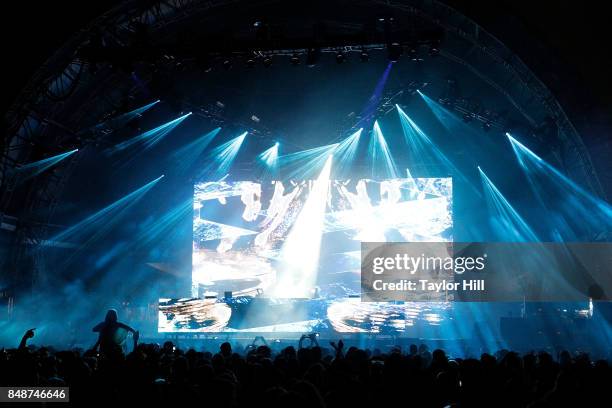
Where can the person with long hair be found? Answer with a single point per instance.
(112, 334)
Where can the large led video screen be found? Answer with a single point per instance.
(284, 256)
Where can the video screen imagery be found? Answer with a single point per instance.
(285, 256)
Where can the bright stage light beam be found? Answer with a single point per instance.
(506, 222)
(165, 228)
(137, 112)
(104, 214)
(151, 137)
(270, 156)
(368, 112)
(423, 148)
(420, 144)
(380, 156)
(444, 116)
(453, 124)
(299, 255)
(409, 173)
(97, 225)
(186, 156)
(126, 117)
(580, 212)
(345, 152)
(511, 227)
(143, 109)
(269, 159)
(305, 163)
(222, 157)
(27, 171)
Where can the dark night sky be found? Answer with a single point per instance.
(564, 42)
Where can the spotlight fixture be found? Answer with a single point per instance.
(312, 57)
(414, 53)
(204, 62)
(262, 31)
(267, 61)
(434, 50)
(486, 126)
(364, 56)
(227, 63)
(394, 51)
(340, 57)
(295, 60)
(250, 62)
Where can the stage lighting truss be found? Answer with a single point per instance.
(470, 111)
(82, 64)
(215, 113)
(489, 118)
(312, 54)
(391, 97)
(364, 56)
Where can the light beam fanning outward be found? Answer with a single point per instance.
(126, 117)
(150, 137)
(300, 253)
(270, 155)
(345, 153)
(380, 155)
(93, 228)
(30, 170)
(220, 158)
(579, 213)
(165, 228)
(424, 150)
(305, 163)
(269, 159)
(507, 224)
(186, 156)
(122, 119)
(101, 218)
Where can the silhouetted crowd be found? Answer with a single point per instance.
(311, 377)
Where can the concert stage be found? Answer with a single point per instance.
(247, 175)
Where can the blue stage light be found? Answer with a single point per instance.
(426, 152)
(305, 163)
(577, 214)
(270, 156)
(300, 253)
(128, 116)
(221, 158)
(345, 152)
(96, 226)
(185, 157)
(380, 156)
(164, 228)
(150, 137)
(27, 171)
(269, 160)
(448, 119)
(369, 111)
(506, 222)
(139, 111)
